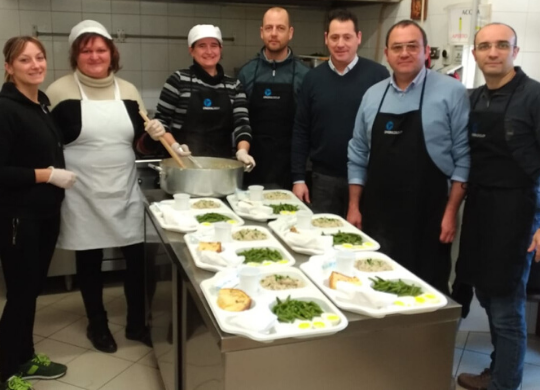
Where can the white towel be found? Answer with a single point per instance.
(177, 218)
(365, 295)
(308, 239)
(256, 320)
(228, 258)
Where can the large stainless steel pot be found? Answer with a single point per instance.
(218, 177)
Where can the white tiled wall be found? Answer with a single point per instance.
(522, 15)
(148, 62)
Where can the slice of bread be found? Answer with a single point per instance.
(210, 246)
(232, 299)
(337, 277)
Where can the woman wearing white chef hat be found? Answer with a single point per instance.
(203, 107)
(98, 114)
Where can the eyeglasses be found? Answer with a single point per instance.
(500, 45)
(411, 48)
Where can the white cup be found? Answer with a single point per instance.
(345, 262)
(181, 201)
(256, 193)
(303, 219)
(249, 279)
(222, 232)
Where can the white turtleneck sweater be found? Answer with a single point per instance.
(65, 96)
(66, 88)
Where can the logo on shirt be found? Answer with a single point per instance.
(390, 129)
(474, 131)
(208, 105)
(268, 95)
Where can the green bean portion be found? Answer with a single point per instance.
(398, 287)
(278, 208)
(258, 255)
(347, 238)
(292, 309)
(212, 217)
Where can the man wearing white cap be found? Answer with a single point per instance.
(98, 114)
(204, 108)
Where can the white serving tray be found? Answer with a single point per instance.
(234, 198)
(319, 268)
(265, 299)
(223, 209)
(206, 235)
(284, 224)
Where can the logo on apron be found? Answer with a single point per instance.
(268, 95)
(390, 127)
(208, 105)
(474, 131)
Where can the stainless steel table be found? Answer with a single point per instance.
(398, 352)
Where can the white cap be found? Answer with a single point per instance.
(201, 31)
(88, 26)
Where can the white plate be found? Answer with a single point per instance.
(319, 268)
(234, 198)
(192, 241)
(223, 209)
(283, 225)
(264, 299)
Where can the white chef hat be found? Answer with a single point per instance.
(201, 31)
(88, 26)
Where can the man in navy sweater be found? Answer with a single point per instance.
(327, 105)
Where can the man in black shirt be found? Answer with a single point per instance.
(327, 105)
(501, 210)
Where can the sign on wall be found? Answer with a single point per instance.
(459, 21)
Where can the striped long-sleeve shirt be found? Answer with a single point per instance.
(176, 93)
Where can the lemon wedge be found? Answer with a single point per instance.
(304, 325)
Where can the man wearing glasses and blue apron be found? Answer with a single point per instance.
(409, 141)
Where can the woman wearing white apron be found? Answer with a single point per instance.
(98, 115)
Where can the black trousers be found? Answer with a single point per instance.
(90, 280)
(330, 194)
(26, 249)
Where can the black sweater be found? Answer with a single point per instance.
(29, 140)
(327, 107)
(522, 119)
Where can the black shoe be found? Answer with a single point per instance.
(101, 338)
(142, 335)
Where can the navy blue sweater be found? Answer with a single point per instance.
(327, 107)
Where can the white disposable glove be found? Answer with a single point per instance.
(155, 129)
(62, 178)
(181, 150)
(243, 156)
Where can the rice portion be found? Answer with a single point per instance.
(373, 265)
(280, 282)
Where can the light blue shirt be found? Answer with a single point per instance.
(347, 68)
(445, 114)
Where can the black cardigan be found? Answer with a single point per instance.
(29, 140)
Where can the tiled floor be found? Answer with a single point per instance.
(60, 332)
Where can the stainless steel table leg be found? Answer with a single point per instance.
(68, 280)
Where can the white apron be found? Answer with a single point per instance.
(105, 206)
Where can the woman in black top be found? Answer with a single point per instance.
(33, 181)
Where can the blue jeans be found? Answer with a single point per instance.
(508, 326)
(508, 329)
